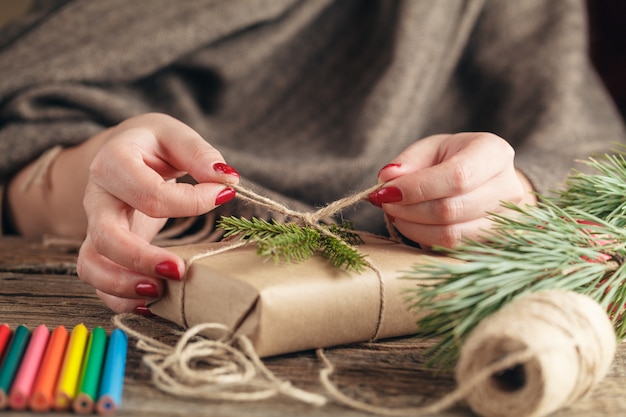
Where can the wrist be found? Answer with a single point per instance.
(46, 196)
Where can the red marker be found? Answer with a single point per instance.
(5, 335)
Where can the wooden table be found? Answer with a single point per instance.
(38, 285)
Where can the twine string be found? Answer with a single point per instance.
(311, 219)
(224, 369)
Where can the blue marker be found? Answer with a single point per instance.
(112, 382)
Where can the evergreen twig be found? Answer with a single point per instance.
(290, 242)
(575, 241)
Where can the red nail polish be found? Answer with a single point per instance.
(223, 168)
(225, 196)
(147, 289)
(388, 166)
(168, 270)
(143, 311)
(385, 195)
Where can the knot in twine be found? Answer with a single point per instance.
(312, 219)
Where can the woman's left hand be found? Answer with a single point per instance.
(441, 189)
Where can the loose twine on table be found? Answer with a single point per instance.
(233, 371)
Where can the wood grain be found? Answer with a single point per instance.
(38, 285)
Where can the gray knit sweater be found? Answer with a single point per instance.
(310, 98)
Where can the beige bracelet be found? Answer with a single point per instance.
(39, 175)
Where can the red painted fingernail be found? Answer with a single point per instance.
(385, 195)
(147, 289)
(388, 166)
(168, 270)
(223, 168)
(143, 311)
(225, 196)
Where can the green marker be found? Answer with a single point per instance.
(11, 362)
(91, 371)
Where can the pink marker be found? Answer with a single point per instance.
(23, 384)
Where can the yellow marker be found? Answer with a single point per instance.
(67, 385)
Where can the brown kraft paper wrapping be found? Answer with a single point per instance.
(290, 307)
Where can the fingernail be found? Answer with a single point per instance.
(147, 289)
(143, 311)
(385, 195)
(388, 166)
(225, 196)
(168, 270)
(223, 168)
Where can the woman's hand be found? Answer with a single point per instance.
(130, 194)
(440, 189)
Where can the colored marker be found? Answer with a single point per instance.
(11, 362)
(42, 396)
(70, 370)
(90, 374)
(5, 334)
(112, 383)
(23, 383)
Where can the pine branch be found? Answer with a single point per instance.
(291, 242)
(602, 195)
(543, 247)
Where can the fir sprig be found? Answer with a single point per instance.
(603, 194)
(575, 241)
(290, 242)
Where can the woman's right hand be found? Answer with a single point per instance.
(130, 194)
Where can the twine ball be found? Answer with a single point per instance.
(572, 343)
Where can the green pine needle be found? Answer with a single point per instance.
(536, 248)
(290, 242)
(602, 195)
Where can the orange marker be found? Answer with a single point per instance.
(70, 370)
(42, 396)
(23, 384)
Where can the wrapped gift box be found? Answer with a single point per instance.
(289, 307)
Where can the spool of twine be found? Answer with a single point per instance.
(559, 345)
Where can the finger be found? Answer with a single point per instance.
(122, 305)
(183, 148)
(109, 233)
(449, 235)
(112, 279)
(462, 208)
(461, 164)
(146, 190)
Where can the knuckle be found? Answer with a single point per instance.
(81, 269)
(152, 203)
(450, 236)
(504, 148)
(461, 178)
(448, 210)
(98, 237)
